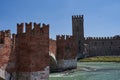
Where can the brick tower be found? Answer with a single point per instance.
(66, 52)
(32, 52)
(78, 32)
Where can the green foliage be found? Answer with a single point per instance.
(101, 59)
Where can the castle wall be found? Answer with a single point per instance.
(5, 47)
(103, 46)
(66, 52)
(5, 51)
(10, 71)
(11, 66)
(31, 52)
(78, 32)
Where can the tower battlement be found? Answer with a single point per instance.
(102, 38)
(78, 32)
(36, 28)
(65, 37)
(77, 17)
(3, 34)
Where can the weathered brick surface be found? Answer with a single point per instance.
(12, 57)
(78, 32)
(5, 47)
(66, 47)
(94, 46)
(66, 52)
(103, 46)
(28, 51)
(32, 47)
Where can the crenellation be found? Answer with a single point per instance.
(37, 29)
(37, 26)
(116, 37)
(100, 38)
(77, 16)
(29, 49)
(108, 38)
(7, 33)
(97, 38)
(102, 46)
(66, 51)
(13, 37)
(105, 38)
(4, 34)
(78, 32)
(28, 27)
(45, 28)
(20, 28)
(64, 37)
(68, 37)
(30, 52)
(57, 37)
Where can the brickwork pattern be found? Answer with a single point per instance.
(5, 47)
(103, 46)
(66, 47)
(32, 47)
(78, 32)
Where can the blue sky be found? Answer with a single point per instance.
(101, 17)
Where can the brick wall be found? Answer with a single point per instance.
(66, 47)
(5, 47)
(32, 47)
(66, 52)
(103, 46)
(30, 53)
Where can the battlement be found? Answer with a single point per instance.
(4, 34)
(77, 17)
(66, 47)
(102, 38)
(65, 37)
(36, 28)
(52, 40)
(20, 28)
